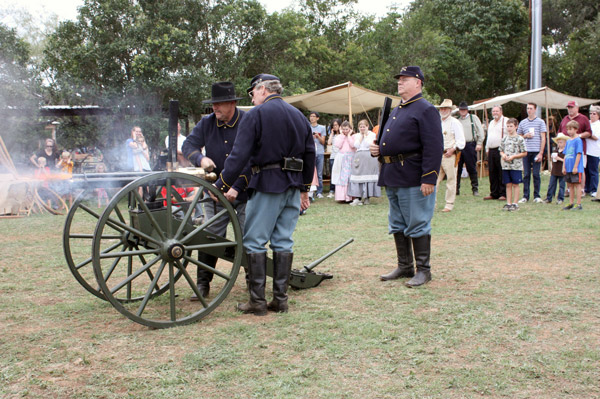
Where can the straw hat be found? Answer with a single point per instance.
(447, 103)
(560, 136)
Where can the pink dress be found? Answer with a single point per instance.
(342, 166)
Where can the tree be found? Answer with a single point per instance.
(20, 90)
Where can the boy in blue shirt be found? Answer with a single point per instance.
(573, 165)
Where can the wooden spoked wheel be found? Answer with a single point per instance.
(78, 234)
(145, 238)
(51, 201)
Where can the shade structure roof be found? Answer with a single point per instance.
(343, 99)
(544, 96)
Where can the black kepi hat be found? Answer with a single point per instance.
(261, 78)
(222, 92)
(463, 105)
(412, 71)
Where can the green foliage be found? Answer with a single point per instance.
(19, 89)
(134, 56)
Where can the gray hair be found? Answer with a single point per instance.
(595, 108)
(272, 86)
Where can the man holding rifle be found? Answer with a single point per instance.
(410, 149)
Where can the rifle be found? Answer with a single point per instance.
(385, 114)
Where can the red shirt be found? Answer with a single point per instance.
(584, 126)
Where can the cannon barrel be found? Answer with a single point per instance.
(309, 267)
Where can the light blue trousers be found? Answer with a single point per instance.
(410, 211)
(271, 217)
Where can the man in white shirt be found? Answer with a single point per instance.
(454, 141)
(180, 140)
(593, 152)
(496, 130)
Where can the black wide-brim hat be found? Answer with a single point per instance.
(222, 92)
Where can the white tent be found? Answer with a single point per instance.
(544, 97)
(343, 99)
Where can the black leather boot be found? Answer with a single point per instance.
(405, 259)
(204, 277)
(257, 268)
(422, 247)
(282, 267)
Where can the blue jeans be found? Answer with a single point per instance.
(410, 211)
(319, 164)
(552, 188)
(271, 217)
(528, 165)
(591, 174)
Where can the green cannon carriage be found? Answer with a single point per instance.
(144, 239)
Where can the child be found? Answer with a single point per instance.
(65, 164)
(557, 171)
(101, 192)
(573, 164)
(512, 149)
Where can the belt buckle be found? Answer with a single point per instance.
(401, 159)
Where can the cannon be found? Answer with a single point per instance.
(145, 238)
(143, 241)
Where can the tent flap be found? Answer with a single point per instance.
(340, 99)
(544, 97)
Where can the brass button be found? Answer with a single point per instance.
(225, 141)
(384, 144)
(226, 155)
(394, 117)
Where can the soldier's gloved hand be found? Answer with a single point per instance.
(207, 164)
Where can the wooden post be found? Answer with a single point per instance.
(549, 161)
(487, 125)
(350, 105)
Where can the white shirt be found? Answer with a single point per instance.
(454, 136)
(593, 146)
(180, 140)
(496, 130)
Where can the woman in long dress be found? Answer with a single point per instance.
(333, 133)
(342, 166)
(365, 168)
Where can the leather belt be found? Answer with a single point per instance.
(256, 169)
(398, 158)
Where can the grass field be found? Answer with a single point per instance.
(513, 311)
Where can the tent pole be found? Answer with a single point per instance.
(487, 125)
(350, 105)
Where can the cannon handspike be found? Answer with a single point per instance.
(307, 278)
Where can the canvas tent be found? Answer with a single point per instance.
(343, 99)
(544, 97)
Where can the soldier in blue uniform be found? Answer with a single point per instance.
(410, 151)
(277, 140)
(216, 133)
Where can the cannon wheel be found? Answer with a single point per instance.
(78, 234)
(51, 201)
(153, 247)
